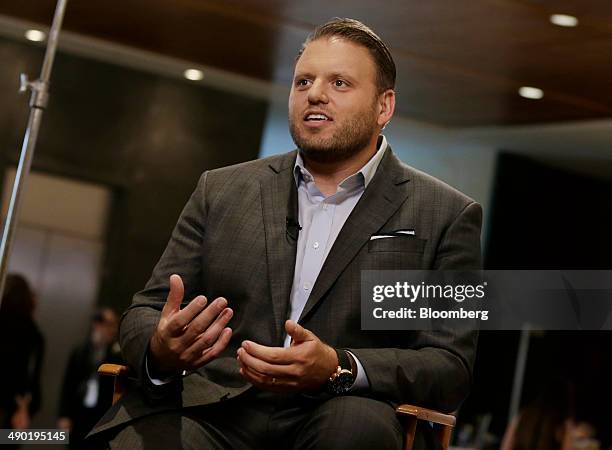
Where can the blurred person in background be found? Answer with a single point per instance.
(551, 422)
(85, 395)
(21, 355)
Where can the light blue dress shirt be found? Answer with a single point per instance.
(321, 219)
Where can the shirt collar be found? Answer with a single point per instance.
(367, 172)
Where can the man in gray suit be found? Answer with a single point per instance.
(265, 261)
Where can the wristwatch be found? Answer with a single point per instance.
(341, 381)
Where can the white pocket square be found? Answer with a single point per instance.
(393, 234)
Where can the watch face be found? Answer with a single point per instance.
(342, 382)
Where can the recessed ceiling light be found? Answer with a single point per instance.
(193, 74)
(564, 20)
(35, 35)
(531, 92)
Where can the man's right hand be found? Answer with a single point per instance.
(188, 338)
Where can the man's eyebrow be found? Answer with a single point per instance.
(342, 75)
(303, 75)
(331, 76)
(339, 74)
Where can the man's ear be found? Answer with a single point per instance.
(386, 107)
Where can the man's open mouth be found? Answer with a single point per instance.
(318, 117)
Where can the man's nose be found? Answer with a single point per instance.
(317, 93)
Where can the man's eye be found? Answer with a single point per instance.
(340, 83)
(302, 82)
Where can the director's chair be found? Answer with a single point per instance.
(409, 414)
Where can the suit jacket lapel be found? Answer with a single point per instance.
(383, 196)
(279, 202)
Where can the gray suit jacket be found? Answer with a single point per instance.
(231, 240)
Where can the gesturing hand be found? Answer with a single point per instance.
(188, 338)
(306, 365)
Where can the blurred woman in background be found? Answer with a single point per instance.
(21, 355)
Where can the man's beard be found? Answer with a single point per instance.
(353, 137)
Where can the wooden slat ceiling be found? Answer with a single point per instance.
(459, 63)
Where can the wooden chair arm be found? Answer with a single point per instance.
(427, 414)
(412, 414)
(114, 370)
(120, 373)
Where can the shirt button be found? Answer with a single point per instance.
(306, 286)
(315, 245)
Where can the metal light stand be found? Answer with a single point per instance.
(38, 103)
(519, 373)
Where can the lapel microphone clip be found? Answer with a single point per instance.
(293, 228)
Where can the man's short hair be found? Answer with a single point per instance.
(354, 31)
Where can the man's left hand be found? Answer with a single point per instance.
(304, 366)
